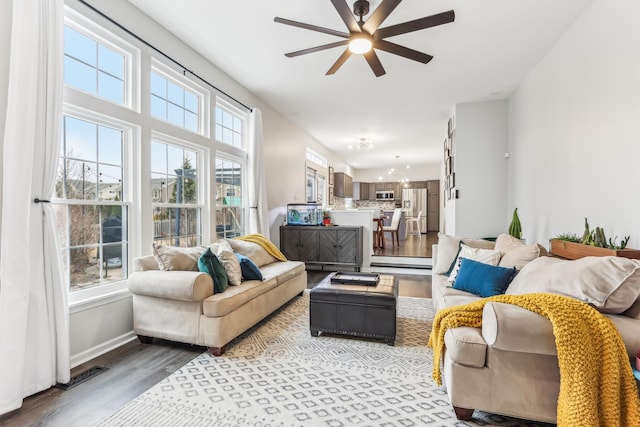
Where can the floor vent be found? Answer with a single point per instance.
(81, 377)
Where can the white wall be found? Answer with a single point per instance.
(479, 145)
(574, 130)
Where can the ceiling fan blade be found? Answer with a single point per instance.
(402, 51)
(415, 25)
(374, 63)
(379, 15)
(341, 60)
(346, 15)
(311, 27)
(316, 49)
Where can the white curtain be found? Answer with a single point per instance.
(258, 211)
(34, 314)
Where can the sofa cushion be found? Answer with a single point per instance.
(483, 279)
(252, 250)
(248, 268)
(282, 270)
(486, 256)
(448, 248)
(210, 264)
(514, 252)
(611, 284)
(222, 304)
(177, 258)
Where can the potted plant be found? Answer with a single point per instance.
(593, 242)
(326, 218)
(515, 228)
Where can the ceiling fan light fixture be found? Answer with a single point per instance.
(360, 45)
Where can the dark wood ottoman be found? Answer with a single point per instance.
(358, 310)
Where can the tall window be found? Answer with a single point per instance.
(174, 103)
(230, 211)
(174, 190)
(92, 216)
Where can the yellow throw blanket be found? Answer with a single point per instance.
(597, 387)
(265, 243)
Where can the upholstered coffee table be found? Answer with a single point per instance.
(354, 309)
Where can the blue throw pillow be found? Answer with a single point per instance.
(483, 279)
(250, 270)
(210, 264)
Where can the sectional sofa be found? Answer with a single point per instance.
(509, 365)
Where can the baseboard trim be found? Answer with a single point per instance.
(99, 350)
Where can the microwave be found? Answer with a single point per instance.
(384, 195)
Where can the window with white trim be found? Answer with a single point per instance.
(176, 100)
(230, 200)
(230, 125)
(175, 194)
(91, 209)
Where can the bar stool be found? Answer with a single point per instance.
(411, 221)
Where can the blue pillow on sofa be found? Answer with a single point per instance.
(483, 279)
(250, 270)
(210, 264)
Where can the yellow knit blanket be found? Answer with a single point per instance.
(597, 387)
(266, 244)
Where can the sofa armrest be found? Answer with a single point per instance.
(512, 328)
(177, 285)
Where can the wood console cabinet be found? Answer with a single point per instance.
(336, 245)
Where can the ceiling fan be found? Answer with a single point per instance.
(365, 36)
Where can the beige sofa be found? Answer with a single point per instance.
(509, 366)
(182, 306)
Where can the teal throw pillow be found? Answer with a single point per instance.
(483, 279)
(250, 270)
(210, 264)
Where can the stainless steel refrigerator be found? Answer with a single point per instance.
(414, 200)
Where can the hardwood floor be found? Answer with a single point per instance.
(412, 247)
(133, 369)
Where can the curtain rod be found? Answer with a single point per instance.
(184, 69)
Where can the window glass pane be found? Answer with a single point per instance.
(175, 94)
(227, 136)
(227, 120)
(158, 108)
(111, 62)
(80, 47)
(175, 115)
(175, 158)
(191, 121)
(110, 146)
(191, 102)
(110, 88)
(80, 139)
(110, 183)
(84, 225)
(237, 140)
(158, 86)
(237, 124)
(219, 132)
(229, 128)
(79, 75)
(158, 157)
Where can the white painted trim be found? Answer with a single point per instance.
(105, 347)
(97, 301)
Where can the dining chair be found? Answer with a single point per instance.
(411, 221)
(393, 228)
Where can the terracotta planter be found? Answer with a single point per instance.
(571, 250)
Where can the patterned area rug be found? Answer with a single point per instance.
(277, 374)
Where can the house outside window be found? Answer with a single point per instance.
(91, 207)
(230, 205)
(175, 195)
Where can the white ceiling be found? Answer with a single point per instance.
(484, 55)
